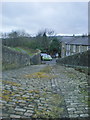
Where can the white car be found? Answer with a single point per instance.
(46, 57)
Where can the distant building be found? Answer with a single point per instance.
(74, 44)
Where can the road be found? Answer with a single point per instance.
(50, 62)
(44, 91)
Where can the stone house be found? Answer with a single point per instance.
(73, 44)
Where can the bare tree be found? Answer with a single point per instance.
(42, 39)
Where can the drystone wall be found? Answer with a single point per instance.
(80, 59)
(18, 59)
(36, 59)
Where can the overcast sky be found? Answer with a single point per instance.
(63, 18)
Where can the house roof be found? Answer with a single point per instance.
(80, 41)
(76, 40)
(65, 39)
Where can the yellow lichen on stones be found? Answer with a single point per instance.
(11, 83)
(6, 98)
(40, 75)
(37, 75)
(34, 91)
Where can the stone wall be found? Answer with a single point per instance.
(14, 59)
(36, 59)
(79, 59)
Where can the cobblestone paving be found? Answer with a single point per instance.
(74, 87)
(44, 91)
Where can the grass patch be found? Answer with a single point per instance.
(71, 75)
(89, 101)
(85, 70)
(47, 69)
(39, 75)
(83, 90)
(28, 51)
(6, 66)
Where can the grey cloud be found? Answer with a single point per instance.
(62, 17)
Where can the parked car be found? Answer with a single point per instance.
(46, 57)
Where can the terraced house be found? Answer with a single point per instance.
(74, 44)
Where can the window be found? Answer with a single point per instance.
(87, 47)
(67, 53)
